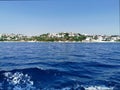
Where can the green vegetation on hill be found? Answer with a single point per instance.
(44, 37)
(118, 40)
(65, 37)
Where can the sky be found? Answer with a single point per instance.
(52, 16)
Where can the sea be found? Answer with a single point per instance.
(59, 66)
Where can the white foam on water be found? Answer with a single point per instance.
(19, 81)
(89, 88)
(67, 88)
(98, 88)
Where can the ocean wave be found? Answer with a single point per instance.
(89, 88)
(17, 81)
(26, 79)
(98, 88)
(43, 79)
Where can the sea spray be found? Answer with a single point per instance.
(18, 81)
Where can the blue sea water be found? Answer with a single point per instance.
(59, 66)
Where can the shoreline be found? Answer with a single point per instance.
(62, 41)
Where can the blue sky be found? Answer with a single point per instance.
(43, 16)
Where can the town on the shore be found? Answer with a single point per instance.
(60, 37)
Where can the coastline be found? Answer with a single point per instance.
(61, 41)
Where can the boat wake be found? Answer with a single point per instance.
(38, 79)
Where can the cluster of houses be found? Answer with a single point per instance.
(63, 34)
(12, 37)
(102, 38)
(89, 38)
